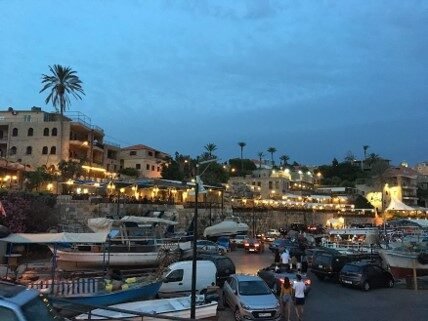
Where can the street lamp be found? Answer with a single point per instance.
(195, 235)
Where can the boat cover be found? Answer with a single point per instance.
(55, 238)
(102, 224)
(397, 205)
(227, 227)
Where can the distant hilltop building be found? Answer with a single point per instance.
(33, 138)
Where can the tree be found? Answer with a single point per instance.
(260, 155)
(210, 148)
(350, 157)
(373, 158)
(70, 169)
(284, 158)
(335, 162)
(271, 150)
(37, 178)
(242, 145)
(62, 82)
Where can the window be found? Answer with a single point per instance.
(150, 153)
(46, 132)
(148, 167)
(30, 131)
(53, 150)
(54, 131)
(15, 132)
(29, 150)
(27, 118)
(270, 185)
(1, 134)
(7, 314)
(153, 167)
(13, 150)
(158, 169)
(45, 150)
(138, 166)
(132, 153)
(175, 276)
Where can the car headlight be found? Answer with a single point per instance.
(244, 306)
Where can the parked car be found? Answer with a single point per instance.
(282, 244)
(329, 262)
(17, 303)
(250, 298)
(271, 235)
(225, 266)
(274, 278)
(365, 275)
(238, 240)
(205, 246)
(253, 246)
(310, 254)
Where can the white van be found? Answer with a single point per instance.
(178, 278)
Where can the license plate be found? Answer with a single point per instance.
(261, 315)
(346, 282)
(251, 250)
(320, 266)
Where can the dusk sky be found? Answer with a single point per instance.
(314, 79)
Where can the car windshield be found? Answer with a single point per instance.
(253, 288)
(37, 309)
(351, 268)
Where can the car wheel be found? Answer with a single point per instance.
(366, 286)
(237, 314)
(391, 283)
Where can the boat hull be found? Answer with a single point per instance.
(403, 264)
(176, 307)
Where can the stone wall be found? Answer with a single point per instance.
(75, 214)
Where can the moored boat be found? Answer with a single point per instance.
(176, 307)
(403, 263)
(226, 228)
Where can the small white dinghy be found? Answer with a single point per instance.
(177, 307)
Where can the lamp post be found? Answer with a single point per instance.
(121, 190)
(195, 237)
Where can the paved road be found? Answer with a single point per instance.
(329, 301)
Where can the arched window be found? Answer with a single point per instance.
(53, 150)
(30, 131)
(45, 150)
(13, 150)
(46, 132)
(54, 132)
(15, 132)
(29, 150)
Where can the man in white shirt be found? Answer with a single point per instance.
(299, 296)
(285, 257)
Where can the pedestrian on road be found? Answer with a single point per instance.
(299, 296)
(277, 258)
(285, 298)
(285, 257)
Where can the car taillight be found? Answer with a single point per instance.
(307, 282)
(256, 244)
(246, 244)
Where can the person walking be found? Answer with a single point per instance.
(285, 298)
(285, 257)
(299, 296)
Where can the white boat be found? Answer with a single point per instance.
(133, 241)
(225, 228)
(176, 307)
(352, 240)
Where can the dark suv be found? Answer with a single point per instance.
(328, 263)
(224, 265)
(365, 275)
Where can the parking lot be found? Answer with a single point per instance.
(330, 301)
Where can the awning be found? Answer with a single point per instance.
(55, 238)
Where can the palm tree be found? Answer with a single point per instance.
(271, 150)
(210, 148)
(261, 155)
(62, 82)
(242, 145)
(365, 147)
(285, 158)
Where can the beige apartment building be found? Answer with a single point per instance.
(146, 160)
(400, 184)
(33, 138)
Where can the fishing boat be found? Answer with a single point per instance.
(83, 290)
(132, 241)
(226, 228)
(175, 307)
(352, 240)
(408, 259)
